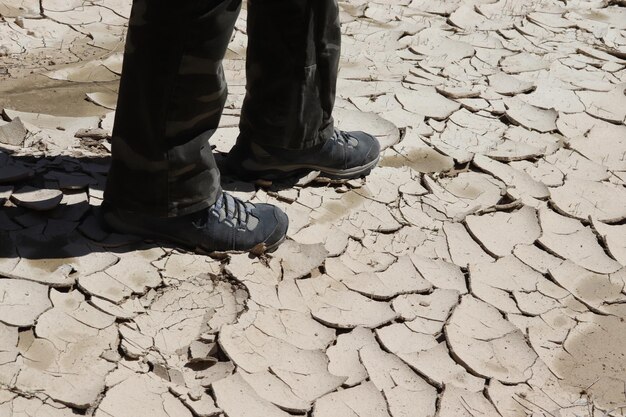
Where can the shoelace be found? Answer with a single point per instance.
(344, 138)
(233, 209)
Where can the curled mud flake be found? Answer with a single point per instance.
(592, 358)
(437, 42)
(465, 136)
(237, 398)
(584, 199)
(544, 393)
(126, 311)
(547, 143)
(407, 394)
(536, 258)
(488, 344)
(412, 343)
(540, 171)
(604, 144)
(344, 355)
(202, 405)
(135, 271)
(503, 282)
(400, 278)
(334, 240)
(576, 167)
(259, 277)
(106, 99)
(441, 274)
(182, 266)
(609, 106)
(614, 237)
(463, 249)
(27, 405)
(45, 121)
(444, 7)
(8, 344)
(364, 400)
(463, 194)
(399, 339)
(89, 71)
(103, 285)
(520, 185)
(364, 257)
(523, 62)
(37, 199)
(133, 343)
(141, 396)
(548, 97)
(428, 311)
(529, 116)
(598, 291)
(471, 19)
(22, 302)
(255, 351)
(509, 85)
(218, 371)
(457, 402)
(269, 387)
(500, 232)
(383, 184)
(295, 328)
(298, 260)
(13, 133)
(311, 386)
(427, 101)
(570, 239)
(334, 305)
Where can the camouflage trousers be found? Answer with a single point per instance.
(173, 91)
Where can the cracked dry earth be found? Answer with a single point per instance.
(479, 271)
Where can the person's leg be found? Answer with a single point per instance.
(292, 63)
(286, 122)
(163, 181)
(171, 97)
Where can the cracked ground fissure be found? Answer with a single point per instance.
(480, 270)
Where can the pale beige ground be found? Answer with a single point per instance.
(479, 271)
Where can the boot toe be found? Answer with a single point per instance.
(275, 224)
(367, 150)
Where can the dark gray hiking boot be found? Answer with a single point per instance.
(229, 225)
(345, 155)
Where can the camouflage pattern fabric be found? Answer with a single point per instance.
(173, 91)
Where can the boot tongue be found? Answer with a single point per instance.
(345, 138)
(234, 210)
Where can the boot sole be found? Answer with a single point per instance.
(112, 223)
(259, 171)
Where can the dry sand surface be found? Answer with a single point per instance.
(479, 271)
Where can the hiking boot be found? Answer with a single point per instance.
(345, 155)
(229, 225)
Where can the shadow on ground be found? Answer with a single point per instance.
(74, 228)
